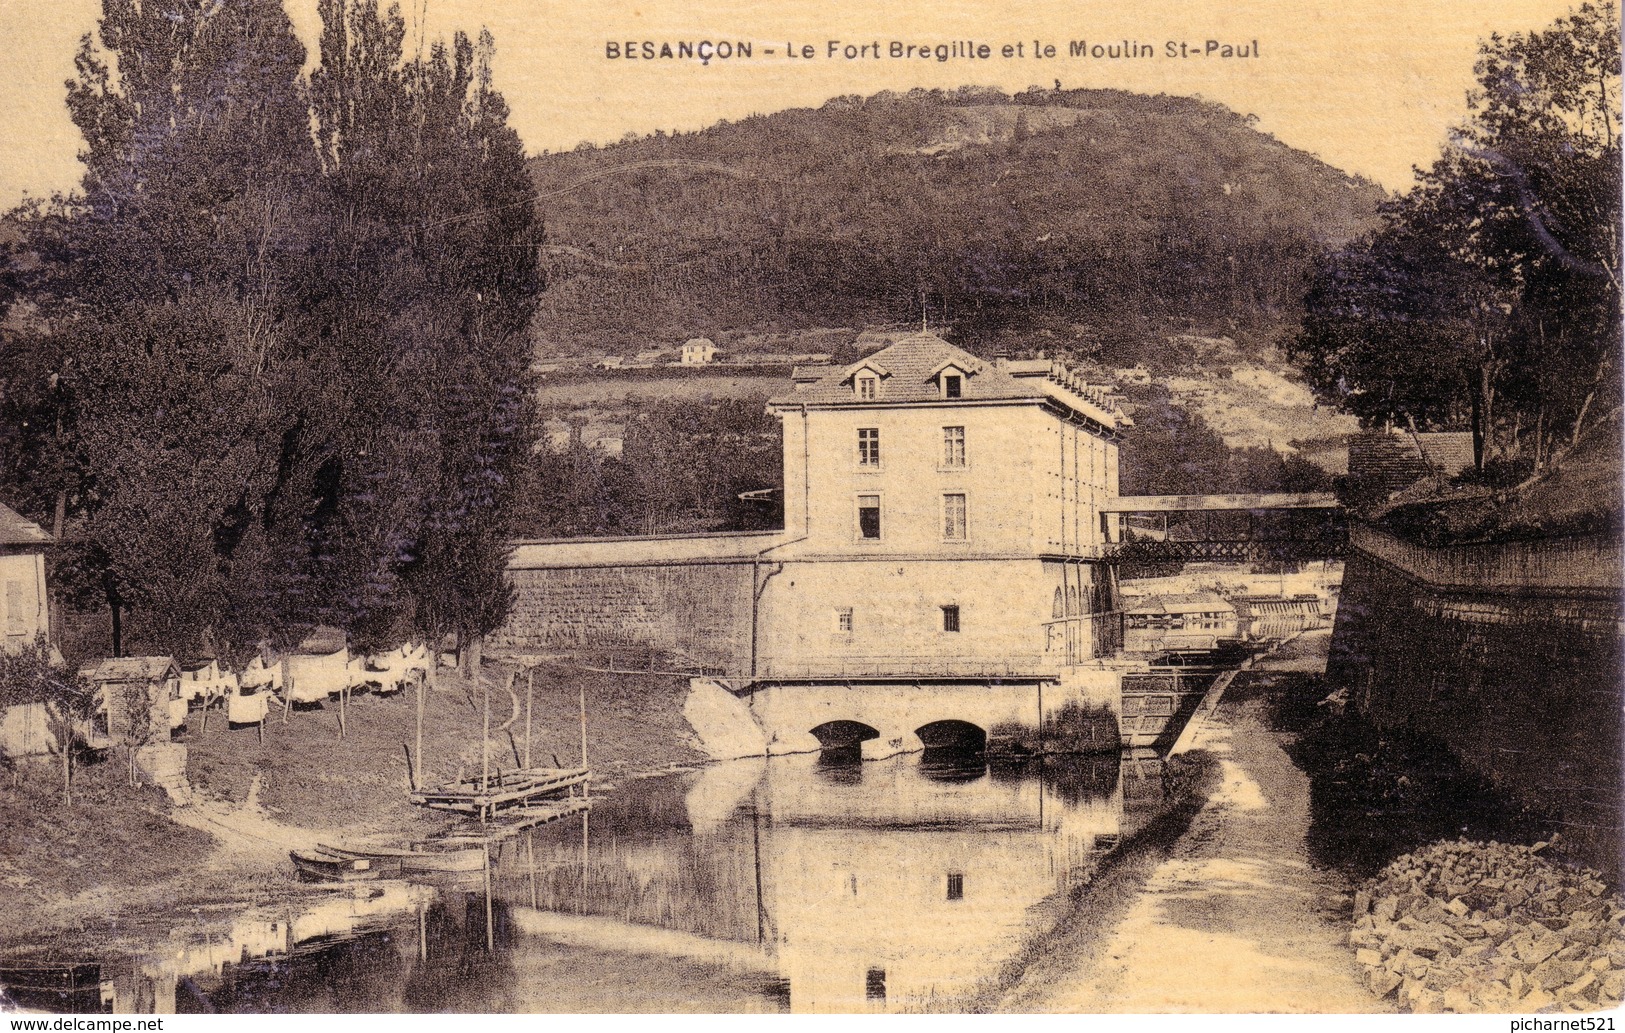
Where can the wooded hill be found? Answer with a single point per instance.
(1106, 217)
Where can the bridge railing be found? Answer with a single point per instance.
(855, 667)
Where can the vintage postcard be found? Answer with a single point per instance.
(819, 507)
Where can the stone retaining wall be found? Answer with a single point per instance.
(1523, 686)
(698, 611)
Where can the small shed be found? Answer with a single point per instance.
(119, 685)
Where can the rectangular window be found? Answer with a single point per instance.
(956, 886)
(950, 618)
(843, 619)
(953, 446)
(874, 984)
(14, 608)
(868, 446)
(869, 516)
(866, 388)
(950, 386)
(953, 518)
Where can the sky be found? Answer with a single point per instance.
(1369, 87)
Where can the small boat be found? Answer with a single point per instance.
(327, 866)
(430, 857)
(429, 862)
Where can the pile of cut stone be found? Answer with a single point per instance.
(1485, 927)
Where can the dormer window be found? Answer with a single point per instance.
(950, 378)
(868, 386)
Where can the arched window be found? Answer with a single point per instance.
(1059, 609)
(1071, 599)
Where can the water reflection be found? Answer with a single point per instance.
(808, 884)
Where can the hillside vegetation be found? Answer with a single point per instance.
(1108, 219)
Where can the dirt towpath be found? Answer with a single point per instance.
(1236, 919)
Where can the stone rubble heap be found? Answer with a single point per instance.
(1485, 927)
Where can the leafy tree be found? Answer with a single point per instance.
(274, 353)
(1489, 298)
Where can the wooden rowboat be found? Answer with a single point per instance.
(433, 856)
(327, 866)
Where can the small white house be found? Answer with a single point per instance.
(24, 606)
(698, 351)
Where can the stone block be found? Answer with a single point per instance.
(1382, 982)
(1536, 951)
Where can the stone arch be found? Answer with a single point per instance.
(835, 735)
(953, 734)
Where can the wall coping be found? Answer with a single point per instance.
(1588, 566)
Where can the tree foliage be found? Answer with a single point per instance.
(996, 214)
(271, 357)
(1489, 297)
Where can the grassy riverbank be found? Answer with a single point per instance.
(123, 848)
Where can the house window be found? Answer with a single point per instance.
(868, 516)
(868, 446)
(867, 388)
(953, 446)
(1058, 608)
(874, 984)
(956, 886)
(953, 518)
(951, 385)
(843, 619)
(14, 609)
(950, 617)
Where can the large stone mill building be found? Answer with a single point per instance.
(942, 524)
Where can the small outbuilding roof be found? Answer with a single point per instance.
(1194, 602)
(15, 529)
(130, 668)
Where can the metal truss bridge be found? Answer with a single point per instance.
(1224, 528)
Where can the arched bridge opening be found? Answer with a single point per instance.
(841, 742)
(953, 749)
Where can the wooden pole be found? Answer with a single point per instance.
(423, 933)
(584, 857)
(530, 850)
(530, 691)
(417, 757)
(586, 787)
(485, 743)
(490, 932)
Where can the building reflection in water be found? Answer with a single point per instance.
(810, 884)
(900, 885)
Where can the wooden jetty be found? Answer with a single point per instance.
(520, 797)
(506, 790)
(512, 822)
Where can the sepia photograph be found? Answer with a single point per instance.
(819, 508)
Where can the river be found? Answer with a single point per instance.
(805, 884)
